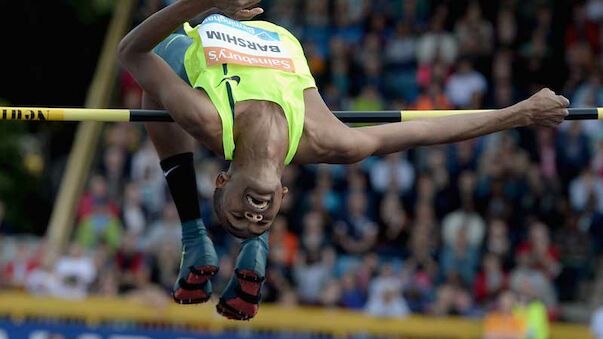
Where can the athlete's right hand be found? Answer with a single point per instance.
(546, 108)
(239, 9)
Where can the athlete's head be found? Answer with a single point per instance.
(246, 205)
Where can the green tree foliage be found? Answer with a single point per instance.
(92, 10)
(17, 186)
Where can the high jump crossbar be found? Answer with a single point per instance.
(143, 115)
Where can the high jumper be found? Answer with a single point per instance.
(243, 90)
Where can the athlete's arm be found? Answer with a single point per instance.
(187, 107)
(348, 145)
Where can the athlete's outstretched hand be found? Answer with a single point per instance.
(239, 9)
(546, 108)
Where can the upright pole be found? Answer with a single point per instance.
(86, 139)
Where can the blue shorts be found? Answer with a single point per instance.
(172, 51)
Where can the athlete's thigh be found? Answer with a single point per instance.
(169, 138)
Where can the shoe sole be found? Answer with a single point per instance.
(192, 292)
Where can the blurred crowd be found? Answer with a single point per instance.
(512, 218)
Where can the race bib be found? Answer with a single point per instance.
(226, 41)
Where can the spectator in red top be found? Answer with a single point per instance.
(544, 255)
(491, 280)
(24, 262)
(129, 263)
(582, 29)
(97, 192)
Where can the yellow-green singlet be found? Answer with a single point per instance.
(229, 83)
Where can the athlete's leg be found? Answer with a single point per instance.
(199, 260)
(175, 148)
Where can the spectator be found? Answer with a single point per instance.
(506, 27)
(436, 43)
(394, 172)
(114, 166)
(283, 240)
(352, 296)
(498, 242)
(134, 215)
(535, 316)
(503, 323)
(532, 283)
(356, 233)
(313, 237)
(474, 34)
(75, 273)
(22, 264)
(467, 218)
(311, 273)
(97, 194)
(460, 258)
(166, 229)
(453, 299)
(164, 263)
(491, 280)
(581, 28)
(432, 98)
(543, 255)
(331, 294)
(385, 296)
(100, 226)
(573, 152)
(423, 244)
(466, 86)
(401, 49)
(129, 263)
(597, 162)
(368, 100)
(585, 187)
(147, 174)
(590, 93)
(394, 236)
(107, 284)
(575, 252)
(42, 281)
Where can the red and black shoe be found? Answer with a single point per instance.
(198, 264)
(196, 287)
(241, 297)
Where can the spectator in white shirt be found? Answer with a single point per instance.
(465, 85)
(585, 189)
(74, 274)
(394, 171)
(385, 295)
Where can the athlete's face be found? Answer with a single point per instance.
(245, 206)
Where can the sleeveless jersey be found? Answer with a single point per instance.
(254, 60)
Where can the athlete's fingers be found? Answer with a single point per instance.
(563, 101)
(246, 14)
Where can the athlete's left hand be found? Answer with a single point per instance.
(239, 9)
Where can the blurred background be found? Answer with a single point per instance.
(497, 237)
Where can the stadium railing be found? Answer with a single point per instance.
(272, 318)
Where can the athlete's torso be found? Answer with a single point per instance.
(239, 63)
